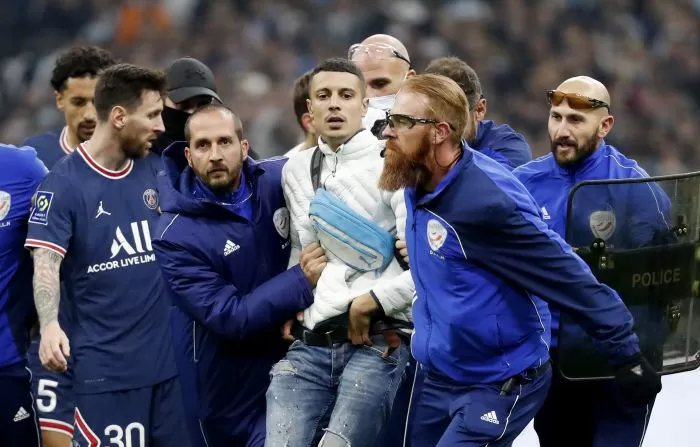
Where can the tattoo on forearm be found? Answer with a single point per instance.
(47, 288)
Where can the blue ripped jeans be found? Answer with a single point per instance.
(345, 391)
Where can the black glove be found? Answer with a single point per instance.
(638, 381)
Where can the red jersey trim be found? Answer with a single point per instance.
(36, 243)
(63, 141)
(56, 426)
(115, 175)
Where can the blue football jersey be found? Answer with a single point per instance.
(100, 221)
(20, 174)
(51, 146)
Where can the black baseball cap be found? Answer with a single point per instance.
(187, 77)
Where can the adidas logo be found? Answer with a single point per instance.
(545, 214)
(21, 414)
(230, 247)
(490, 417)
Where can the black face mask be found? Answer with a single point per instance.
(174, 121)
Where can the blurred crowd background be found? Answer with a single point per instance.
(646, 51)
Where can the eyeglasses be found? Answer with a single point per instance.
(376, 51)
(575, 101)
(406, 122)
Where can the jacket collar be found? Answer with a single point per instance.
(586, 165)
(358, 142)
(176, 179)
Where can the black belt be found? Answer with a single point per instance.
(528, 375)
(320, 338)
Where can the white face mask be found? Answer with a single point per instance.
(382, 102)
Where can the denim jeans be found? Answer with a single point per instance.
(347, 390)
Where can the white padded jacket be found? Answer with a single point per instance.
(352, 174)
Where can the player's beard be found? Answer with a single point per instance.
(581, 152)
(221, 186)
(405, 170)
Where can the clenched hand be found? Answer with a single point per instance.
(312, 261)
(54, 348)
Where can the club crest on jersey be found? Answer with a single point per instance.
(602, 224)
(150, 198)
(5, 202)
(437, 234)
(41, 207)
(281, 220)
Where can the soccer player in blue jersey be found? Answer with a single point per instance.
(20, 174)
(73, 82)
(92, 218)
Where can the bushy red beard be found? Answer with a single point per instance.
(405, 170)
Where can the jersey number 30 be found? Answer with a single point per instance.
(125, 437)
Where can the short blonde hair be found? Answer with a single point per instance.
(445, 98)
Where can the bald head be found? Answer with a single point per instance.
(384, 63)
(586, 86)
(388, 40)
(576, 126)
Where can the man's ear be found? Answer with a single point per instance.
(188, 156)
(606, 125)
(365, 105)
(441, 132)
(410, 73)
(481, 109)
(307, 122)
(118, 117)
(59, 100)
(245, 147)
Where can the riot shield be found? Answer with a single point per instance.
(640, 237)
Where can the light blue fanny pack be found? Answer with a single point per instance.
(355, 240)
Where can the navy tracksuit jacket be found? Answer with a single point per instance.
(231, 292)
(625, 216)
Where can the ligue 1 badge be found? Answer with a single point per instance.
(150, 198)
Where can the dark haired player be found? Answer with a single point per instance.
(92, 217)
(73, 81)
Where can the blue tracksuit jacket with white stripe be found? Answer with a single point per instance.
(483, 256)
(625, 216)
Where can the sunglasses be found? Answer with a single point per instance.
(376, 51)
(575, 101)
(406, 122)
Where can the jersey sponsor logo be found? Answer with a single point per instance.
(5, 202)
(281, 220)
(437, 234)
(150, 198)
(602, 224)
(41, 205)
(125, 251)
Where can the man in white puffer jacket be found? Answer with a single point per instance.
(342, 372)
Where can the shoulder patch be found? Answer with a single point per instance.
(5, 202)
(281, 220)
(41, 205)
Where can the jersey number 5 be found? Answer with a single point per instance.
(117, 435)
(46, 393)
